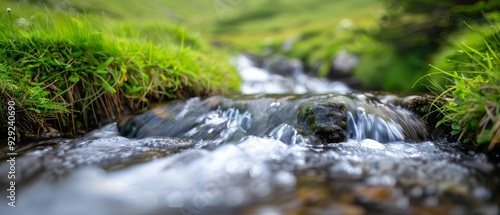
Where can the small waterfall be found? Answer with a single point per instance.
(220, 120)
(220, 125)
(288, 135)
(372, 119)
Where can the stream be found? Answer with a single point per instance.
(288, 145)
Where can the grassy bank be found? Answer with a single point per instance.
(71, 72)
(473, 87)
(71, 64)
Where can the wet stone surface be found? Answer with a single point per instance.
(324, 118)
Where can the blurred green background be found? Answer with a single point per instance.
(394, 40)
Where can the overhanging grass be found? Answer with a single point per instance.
(248, 26)
(473, 91)
(67, 73)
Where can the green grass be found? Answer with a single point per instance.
(382, 66)
(237, 22)
(271, 23)
(317, 29)
(473, 90)
(244, 26)
(72, 72)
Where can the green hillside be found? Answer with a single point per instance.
(235, 21)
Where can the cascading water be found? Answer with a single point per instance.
(338, 153)
(384, 123)
(266, 116)
(258, 80)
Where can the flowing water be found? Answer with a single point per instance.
(251, 154)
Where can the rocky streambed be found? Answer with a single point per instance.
(337, 152)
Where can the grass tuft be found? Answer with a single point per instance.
(72, 74)
(473, 90)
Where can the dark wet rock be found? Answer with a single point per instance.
(324, 118)
(165, 120)
(342, 65)
(282, 66)
(256, 60)
(427, 107)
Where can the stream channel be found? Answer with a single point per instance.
(288, 145)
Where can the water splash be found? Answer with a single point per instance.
(220, 126)
(288, 135)
(362, 126)
(369, 118)
(249, 173)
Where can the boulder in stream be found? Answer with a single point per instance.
(324, 118)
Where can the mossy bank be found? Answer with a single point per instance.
(69, 73)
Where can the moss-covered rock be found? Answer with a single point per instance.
(428, 108)
(324, 118)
